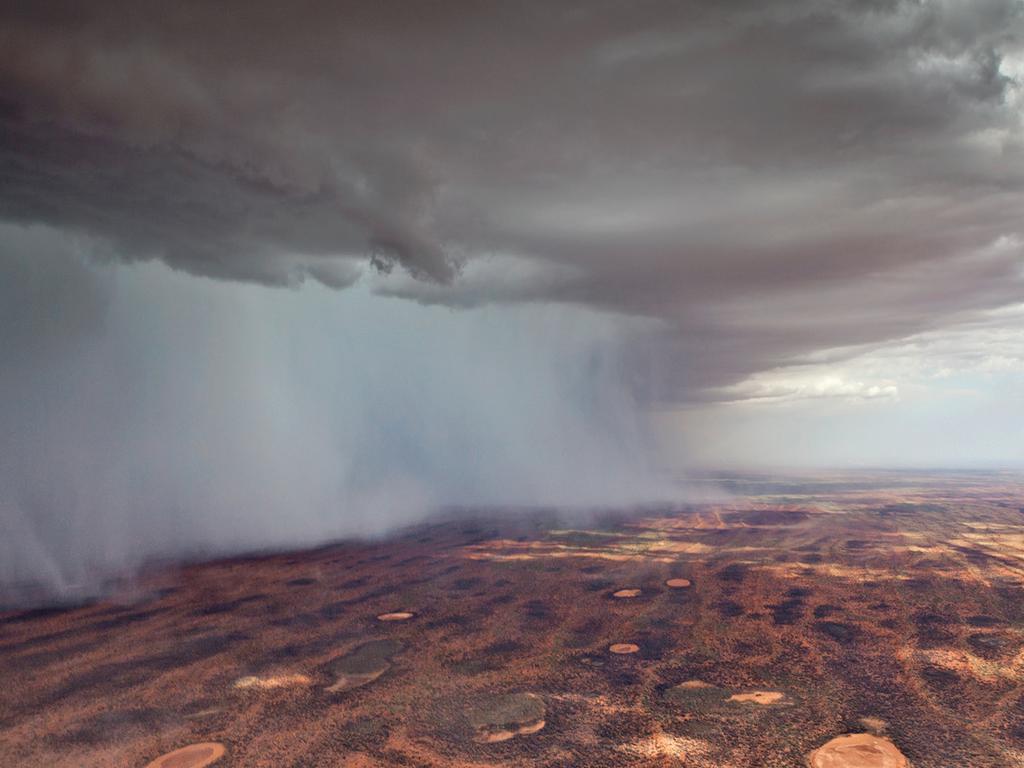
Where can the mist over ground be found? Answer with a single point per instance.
(153, 414)
(273, 273)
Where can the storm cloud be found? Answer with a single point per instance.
(727, 168)
(276, 272)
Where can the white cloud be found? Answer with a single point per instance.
(990, 343)
(775, 388)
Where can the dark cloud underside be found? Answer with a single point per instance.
(732, 169)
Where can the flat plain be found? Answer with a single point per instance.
(862, 619)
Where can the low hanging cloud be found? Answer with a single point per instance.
(523, 228)
(727, 169)
(150, 415)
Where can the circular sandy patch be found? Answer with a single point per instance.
(623, 648)
(192, 756)
(396, 616)
(272, 682)
(678, 583)
(758, 697)
(858, 750)
(626, 593)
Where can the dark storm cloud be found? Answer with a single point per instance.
(768, 179)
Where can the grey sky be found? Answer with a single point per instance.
(336, 263)
(733, 169)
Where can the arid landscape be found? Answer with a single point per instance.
(474, 383)
(828, 620)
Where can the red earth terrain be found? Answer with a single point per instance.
(833, 621)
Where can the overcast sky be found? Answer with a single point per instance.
(801, 220)
(769, 179)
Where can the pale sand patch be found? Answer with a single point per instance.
(507, 550)
(921, 550)
(692, 684)
(518, 556)
(854, 574)
(695, 520)
(966, 663)
(759, 697)
(623, 648)
(492, 737)
(858, 750)
(192, 756)
(683, 547)
(662, 745)
(209, 712)
(396, 616)
(355, 680)
(677, 583)
(625, 593)
(272, 682)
